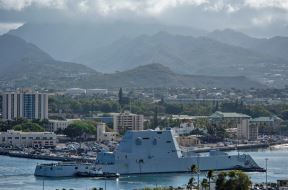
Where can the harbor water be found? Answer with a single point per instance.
(17, 174)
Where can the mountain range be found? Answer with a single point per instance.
(183, 54)
(275, 46)
(121, 46)
(66, 41)
(23, 62)
(27, 65)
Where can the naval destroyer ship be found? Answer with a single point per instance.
(153, 151)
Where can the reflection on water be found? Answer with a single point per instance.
(17, 173)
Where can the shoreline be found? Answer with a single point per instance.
(10, 153)
(239, 147)
(42, 157)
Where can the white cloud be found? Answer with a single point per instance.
(282, 4)
(222, 6)
(154, 7)
(102, 6)
(263, 20)
(5, 27)
(21, 4)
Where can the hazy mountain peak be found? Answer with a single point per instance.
(14, 50)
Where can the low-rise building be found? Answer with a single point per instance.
(28, 139)
(188, 141)
(55, 125)
(184, 129)
(75, 91)
(97, 91)
(102, 135)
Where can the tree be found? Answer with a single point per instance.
(221, 180)
(204, 183)
(28, 127)
(155, 117)
(193, 170)
(120, 97)
(190, 183)
(233, 180)
(79, 128)
(210, 175)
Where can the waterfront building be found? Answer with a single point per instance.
(28, 139)
(24, 104)
(184, 129)
(127, 121)
(253, 132)
(273, 121)
(188, 141)
(245, 130)
(103, 135)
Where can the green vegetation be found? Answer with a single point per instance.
(23, 125)
(210, 175)
(89, 105)
(28, 127)
(193, 170)
(233, 180)
(79, 128)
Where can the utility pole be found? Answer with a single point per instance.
(266, 160)
(198, 171)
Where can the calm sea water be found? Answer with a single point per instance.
(17, 174)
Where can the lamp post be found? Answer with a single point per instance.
(266, 160)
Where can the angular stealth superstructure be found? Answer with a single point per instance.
(152, 151)
(158, 152)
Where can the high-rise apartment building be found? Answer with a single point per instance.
(29, 105)
(127, 121)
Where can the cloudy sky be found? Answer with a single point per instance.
(255, 17)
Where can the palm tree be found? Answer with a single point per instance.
(204, 184)
(190, 183)
(210, 175)
(193, 170)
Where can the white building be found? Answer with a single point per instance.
(102, 135)
(97, 91)
(27, 105)
(28, 139)
(184, 129)
(55, 125)
(75, 91)
(127, 121)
